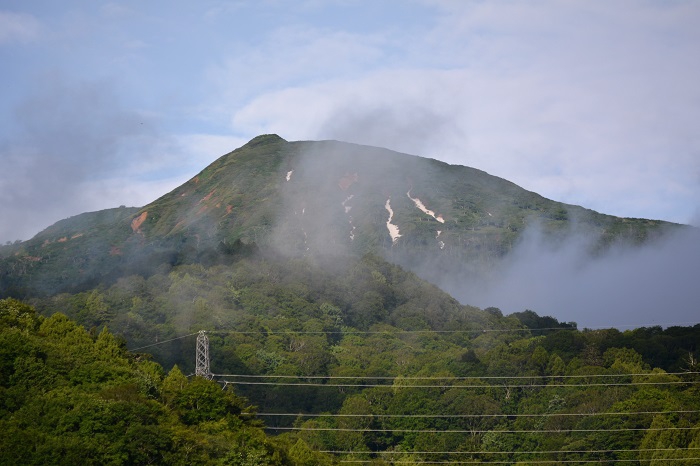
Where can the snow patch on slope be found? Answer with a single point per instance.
(347, 207)
(393, 229)
(347, 211)
(424, 209)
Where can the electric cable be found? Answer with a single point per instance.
(369, 385)
(162, 342)
(535, 452)
(530, 461)
(490, 377)
(470, 431)
(398, 331)
(443, 416)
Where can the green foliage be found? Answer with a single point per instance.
(67, 397)
(16, 314)
(545, 325)
(70, 395)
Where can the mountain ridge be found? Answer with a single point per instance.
(309, 197)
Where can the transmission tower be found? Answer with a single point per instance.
(202, 357)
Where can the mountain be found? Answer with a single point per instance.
(309, 198)
(294, 259)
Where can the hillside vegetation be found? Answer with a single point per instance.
(366, 359)
(68, 396)
(300, 261)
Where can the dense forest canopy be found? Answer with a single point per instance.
(344, 361)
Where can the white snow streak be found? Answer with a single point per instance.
(347, 199)
(424, 209)
(347, 210)
(393, 229)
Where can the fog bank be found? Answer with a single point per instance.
(656, 284)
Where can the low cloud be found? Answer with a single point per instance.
(410, 111)
(655, 284)
(410, 127)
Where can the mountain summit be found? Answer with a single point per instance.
(325, 198)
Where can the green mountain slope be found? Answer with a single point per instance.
(306, 198)
(330, 195)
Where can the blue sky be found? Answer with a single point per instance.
(111, 103)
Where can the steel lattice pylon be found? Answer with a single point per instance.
(202, 357)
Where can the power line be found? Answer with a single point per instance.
(606, 460)
(161, 342)
(470, 431)
(369, 385)
(490, 377)
(442, 416)
(381, 332)
(533, 452)
(398, 331)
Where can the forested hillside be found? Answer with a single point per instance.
(361, 361)
(69, 396)
(296, 259)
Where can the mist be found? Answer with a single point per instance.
(625, 287)
(336, 194)
(622, 285)
(653, 284)
(74, 148)
(404, 125)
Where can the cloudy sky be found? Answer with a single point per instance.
(111, 103)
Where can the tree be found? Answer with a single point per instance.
(14, 313)
(203, 400)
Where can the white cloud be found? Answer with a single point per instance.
(290, 55)
(18, 27)
(592, 104)
(588, 103)
(387, 108)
